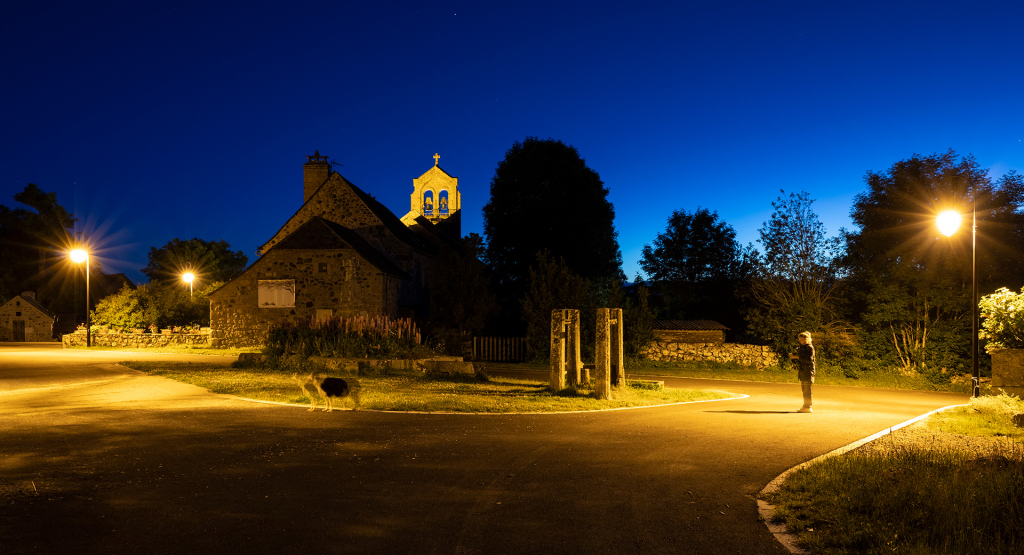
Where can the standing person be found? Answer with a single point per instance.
(807, 369)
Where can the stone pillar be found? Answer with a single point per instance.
(602, 355)
(574, 364)
(557, 356)
(619, 375)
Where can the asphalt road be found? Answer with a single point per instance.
(95, 458)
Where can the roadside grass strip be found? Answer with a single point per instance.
(887, 378)
(408, 392)
(939, 495)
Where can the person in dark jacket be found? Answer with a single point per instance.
(805, 360)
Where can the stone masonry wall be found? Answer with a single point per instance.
(137, 340)
(1008, 371)
(337, 202)
(38, 326)
(747, 355)
(349, 286)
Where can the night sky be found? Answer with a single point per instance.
(155, 120)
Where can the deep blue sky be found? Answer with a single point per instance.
(155, 120)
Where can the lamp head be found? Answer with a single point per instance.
(188, 277)
(79, 255)
(948, 222)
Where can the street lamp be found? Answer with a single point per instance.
(188, 277)
(949, 222)
(80, 255)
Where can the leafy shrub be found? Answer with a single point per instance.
(1003, 324)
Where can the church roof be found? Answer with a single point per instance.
(437, 233)
(320, 233)
(385, 216)
(390, 221)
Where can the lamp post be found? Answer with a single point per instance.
(188, 277)
(80, 255)
(949, 222)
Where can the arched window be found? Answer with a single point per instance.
(428, 203)
(442, 202)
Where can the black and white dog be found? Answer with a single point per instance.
(328, 388)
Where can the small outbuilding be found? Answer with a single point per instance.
(23, 319)
(689, 331)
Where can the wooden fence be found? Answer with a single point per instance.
(499, 349)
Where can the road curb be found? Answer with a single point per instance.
(766, 510)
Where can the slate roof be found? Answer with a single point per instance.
(687, 325)
(390, 221)
(320, 233)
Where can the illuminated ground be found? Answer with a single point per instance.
(96, 459)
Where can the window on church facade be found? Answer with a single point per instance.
(348, 269)
(276, 293)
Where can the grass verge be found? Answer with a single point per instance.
(889, 378)
(942, 494)
(418, 392)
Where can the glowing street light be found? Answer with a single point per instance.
(78, 256)
(188, 277)
(948, 222)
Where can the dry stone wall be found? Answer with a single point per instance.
(1008, 371)
(747, 355)
(142, 340)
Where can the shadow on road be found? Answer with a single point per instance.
(755, 411)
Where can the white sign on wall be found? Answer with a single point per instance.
(276, 293)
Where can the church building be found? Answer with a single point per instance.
(342, 253)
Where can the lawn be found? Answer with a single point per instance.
(889, 378)
(410, 391)
(951, 484)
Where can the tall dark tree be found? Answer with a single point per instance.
(461, 298)
(210, 261)
(33, 245)
(554, 286)
(694, 267)
(797, 279)
(543, 196)
(914, 283)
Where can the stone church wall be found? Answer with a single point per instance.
(346, 283)
(337, 202)
(747, 355)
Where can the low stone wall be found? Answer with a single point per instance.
(747, 355)
(143, 340)
(1008, 371)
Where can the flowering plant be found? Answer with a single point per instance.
(1003, 324)
(153, 328)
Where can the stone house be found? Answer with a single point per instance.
(341, 253)
(23, 319)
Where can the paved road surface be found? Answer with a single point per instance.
(97, 459)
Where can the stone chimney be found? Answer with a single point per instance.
(29, 295)
(314, 173)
